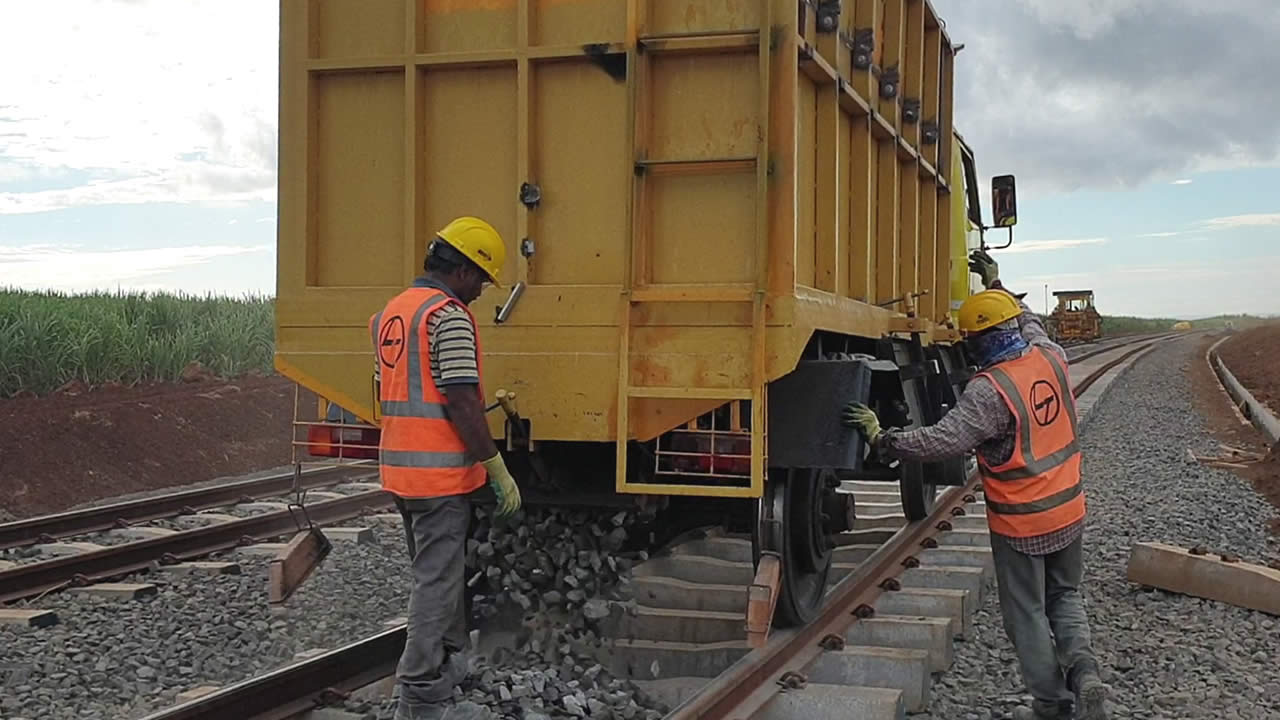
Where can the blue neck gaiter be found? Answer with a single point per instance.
(995, 347)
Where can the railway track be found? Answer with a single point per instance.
(901, 592)
(110, 541)
(822, 658)
(1085, 351)
(47, 528)
(110, 562)
(114, 540)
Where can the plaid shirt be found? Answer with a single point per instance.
(981, 420)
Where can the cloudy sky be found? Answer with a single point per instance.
(139, 149)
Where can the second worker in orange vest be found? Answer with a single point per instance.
(1019, 414)
(435, 450)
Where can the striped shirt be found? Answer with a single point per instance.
(981, 420)
(452, 340)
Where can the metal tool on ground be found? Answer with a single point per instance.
(302, 555)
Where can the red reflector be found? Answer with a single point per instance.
(348, 443)
(320, 441)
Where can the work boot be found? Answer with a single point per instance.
(1091, 694)
(1041, 710)
(443, 711)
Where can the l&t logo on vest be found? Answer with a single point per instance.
(391, 343)
(1045, 403)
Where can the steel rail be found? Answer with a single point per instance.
(48, 528)
(1079, 388)
(23, 581)
(743, 689)
(751, 682)
(1116, 346)
(754, 680)
(292, 690)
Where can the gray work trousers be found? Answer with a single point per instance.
(1044, 616)
(433, 662)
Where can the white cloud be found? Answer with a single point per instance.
(1183, 181)
(198, 183)
(1239, 221)
(173, 101)
(73, 269)
(1229, 222)
(1030, 246)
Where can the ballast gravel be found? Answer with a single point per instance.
(123, 659)
(1164, 656)
(548, 578)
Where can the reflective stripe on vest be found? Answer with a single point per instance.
(421, 453)
(424, 459)
(1037, 490)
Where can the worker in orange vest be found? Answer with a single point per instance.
(1019, 414)
(435, 450)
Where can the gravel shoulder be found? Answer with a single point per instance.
(1165, 656)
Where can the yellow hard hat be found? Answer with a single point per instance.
(478, 241)
(987, 309)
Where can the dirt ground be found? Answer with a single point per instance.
(1227, 425)
(77, 445)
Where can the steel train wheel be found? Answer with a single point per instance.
(789, 522)
(917, 495)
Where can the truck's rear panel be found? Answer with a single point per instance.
(708, 195)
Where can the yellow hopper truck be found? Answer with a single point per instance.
(724, 221)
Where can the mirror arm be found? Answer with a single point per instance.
(982, 234)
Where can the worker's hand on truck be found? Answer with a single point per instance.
(504, 486)
(857, 415)
(982, 264)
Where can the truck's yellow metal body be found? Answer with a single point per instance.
(718, 180)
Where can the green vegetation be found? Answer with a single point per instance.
(1218, 322)
(49, 339)
(1113, 325)
(1127, 325)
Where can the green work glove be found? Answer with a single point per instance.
(982, 264)
(857, 415)
(504, 486)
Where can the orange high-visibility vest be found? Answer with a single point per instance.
(1037, 490)
(421, 454)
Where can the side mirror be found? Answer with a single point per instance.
(1004, 201)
